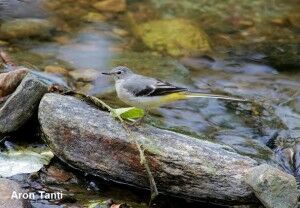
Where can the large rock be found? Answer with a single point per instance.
(7, 188)
(91, 140)
(26, 27)
(22, 103)
(274, 188)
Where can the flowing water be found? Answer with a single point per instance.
(256, 48)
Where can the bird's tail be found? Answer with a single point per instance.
(207, 95)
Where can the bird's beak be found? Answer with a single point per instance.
(107, 73)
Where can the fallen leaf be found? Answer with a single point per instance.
(128, 113)
(9, 81)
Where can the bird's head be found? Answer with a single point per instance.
(119, 72)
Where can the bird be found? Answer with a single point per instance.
(149, 93)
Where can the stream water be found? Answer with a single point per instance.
(256, 50)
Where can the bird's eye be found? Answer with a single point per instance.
(119, 72)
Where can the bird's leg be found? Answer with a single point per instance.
(139, 121)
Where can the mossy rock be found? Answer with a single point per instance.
(176, 37)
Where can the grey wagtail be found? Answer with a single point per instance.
(150, 93)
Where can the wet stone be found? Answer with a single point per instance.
(9, 188)
(232, 65)
(274, 188)
(65, 121)
(23, 102)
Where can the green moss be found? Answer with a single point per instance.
(175, 37)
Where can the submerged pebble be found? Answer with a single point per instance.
(85, 75)
(56, 70)
(111, 6)
(94, 17)
(231, 65)
(26, 27)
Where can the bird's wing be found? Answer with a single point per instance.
(146, 86)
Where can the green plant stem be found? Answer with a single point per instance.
(143, 161)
